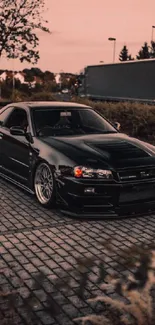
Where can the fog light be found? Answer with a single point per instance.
(89, 190)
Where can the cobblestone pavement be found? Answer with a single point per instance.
(35, 240)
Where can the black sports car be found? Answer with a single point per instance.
(68, 153)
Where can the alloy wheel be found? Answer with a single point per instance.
(43, 183)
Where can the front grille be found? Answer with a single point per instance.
(136, 174)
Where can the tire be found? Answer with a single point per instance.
(44, 185)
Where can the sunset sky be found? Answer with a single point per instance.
(81, 30)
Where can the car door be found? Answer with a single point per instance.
(4, 113)
(15, 149)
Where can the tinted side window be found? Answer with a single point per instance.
(17, 118)
(5, 112)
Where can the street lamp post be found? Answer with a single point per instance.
(112, 39)
(152, 33)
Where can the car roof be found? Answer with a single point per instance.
(46, 104)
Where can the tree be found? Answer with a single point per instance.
(49, 76)
(64, 80)
(26, 89)
(130, 58)
(38, 88)
(20, 20)
(50, 86)
(6, 88)
(36, 72)
(29, 78)
(144, 52)
(72, 81)
(124, 56)
(152, 50)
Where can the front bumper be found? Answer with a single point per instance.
(110, 199)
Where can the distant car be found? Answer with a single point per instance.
(65, 91)
(68, 153)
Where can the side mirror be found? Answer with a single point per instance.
(17, 130)
(117, 125)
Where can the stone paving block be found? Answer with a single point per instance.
(38, 248)
(36, 261)
(64, 320)
(51, 264)
(30, 267)
(46, 319)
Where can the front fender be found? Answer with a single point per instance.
(53, 157)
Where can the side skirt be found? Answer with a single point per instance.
(25, 188)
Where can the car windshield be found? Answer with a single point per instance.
(65, 122)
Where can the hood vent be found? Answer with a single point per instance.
(121, 150)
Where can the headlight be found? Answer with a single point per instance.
(86, 172)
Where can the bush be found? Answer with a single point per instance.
(133, 303)
(42, 96)
(136, 119)
(18, 96)
(28, 95)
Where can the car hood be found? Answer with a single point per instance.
(113, 150)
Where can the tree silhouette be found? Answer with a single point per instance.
(144, 52)
(124, 54)
(130, 58)
(19, 22)
(152, 50)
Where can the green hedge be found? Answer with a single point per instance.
(137, 120)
